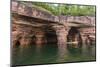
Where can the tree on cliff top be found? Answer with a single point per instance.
(66, 9)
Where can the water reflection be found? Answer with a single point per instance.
(88, 50)
(62, 52)
(51, 53)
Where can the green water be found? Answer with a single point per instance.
(49, 53)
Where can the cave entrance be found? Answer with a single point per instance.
(74, 38)
(33, 40)
(51, 36)
(17, 43)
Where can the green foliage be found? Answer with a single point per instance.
(66, 9)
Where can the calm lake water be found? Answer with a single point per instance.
(49, 53)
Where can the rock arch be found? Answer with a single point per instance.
(74, 37)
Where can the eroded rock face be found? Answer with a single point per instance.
(26, 39)
(16, 37)
(88, 35)
(27, 35)
(29, 23)
(24, 34)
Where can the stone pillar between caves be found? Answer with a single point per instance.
(83, 38)
(26, 39)
(61, 33)
(84, 46)
(40, 38)
(61, 36)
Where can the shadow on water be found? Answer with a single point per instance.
(51, 53)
